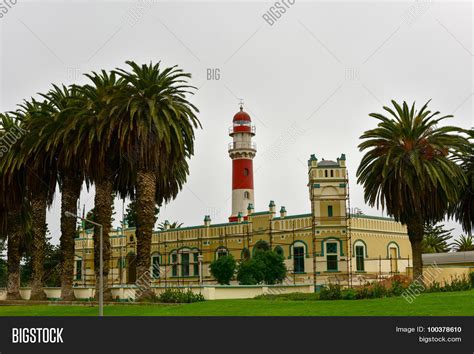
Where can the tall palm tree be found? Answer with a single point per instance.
(155, 134)
(408, 169)
(464, 243)
(464, 210)
(41, 179)
(101, 158)
(13, 218)
(56, 132)
(436, 239)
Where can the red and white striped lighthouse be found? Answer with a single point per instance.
(242, 151)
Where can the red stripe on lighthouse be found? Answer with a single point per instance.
(242, 174)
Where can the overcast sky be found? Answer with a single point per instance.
(308, 80)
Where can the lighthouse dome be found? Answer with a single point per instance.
(242, 117)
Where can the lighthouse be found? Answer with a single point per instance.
(242, 151)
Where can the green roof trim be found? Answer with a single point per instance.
(261, 213)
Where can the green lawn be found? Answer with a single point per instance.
(434, 304)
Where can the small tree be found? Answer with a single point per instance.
(265, 267)
(223, 269)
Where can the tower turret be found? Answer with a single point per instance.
(242, 151)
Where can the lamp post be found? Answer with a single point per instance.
(101, 261)
(200, 259)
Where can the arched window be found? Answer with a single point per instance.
(261, 246)
(298, 251)
(331, 256)
(360, 251)
(246, 171)
(332, 173)
(246, 195)
(325, 173)
(279, 251)
(221, 252)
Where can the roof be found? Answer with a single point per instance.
(448, 258)
(242, 116)
(327, 163)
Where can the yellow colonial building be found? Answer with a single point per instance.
(326, 244)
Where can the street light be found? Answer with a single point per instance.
(101, 262)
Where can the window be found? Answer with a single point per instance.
(331, 247)
(332, 173)
(196, 263)
(246, 195)
(359, 251)
(332, 262)
(298, 259)
(155, 266)
(79, 269)
(185, 264)
(325, 173)
(330, 212)
(246, 171)
(131, 238)
(279, 251)
(331, 257)
(174, 261)
(221, 252)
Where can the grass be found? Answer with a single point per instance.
(434, 304)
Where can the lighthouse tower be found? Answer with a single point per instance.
(242, 151)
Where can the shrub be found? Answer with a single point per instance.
(264, 267)
(289, 297)
(331, 292)
(176, 296)
(471, 276)
(362, 292)
(377, 290)
(397, 288)
(349, 294)
(458, 284)
(223, 269)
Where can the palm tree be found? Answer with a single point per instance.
(436, 239)
(174, 225)
(13, 218)
(56, 132)
(408, 169)
(464, 210)
(101, 158)
(41, 179)
(156, 135)
(464, 243)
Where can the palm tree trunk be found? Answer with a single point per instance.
(38, 205)
(71, 191)
(415, 233)
(146, 190)
(13, 254)
(103, 202)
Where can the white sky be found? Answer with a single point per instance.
(308, 81)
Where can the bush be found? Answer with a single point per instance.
(223, 269)
(377, 290)
(331, 292)
(349, 294)
(264, 267)
(471, 277)
(176, 296)
(458, 284)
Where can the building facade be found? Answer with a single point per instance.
(327, 244)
